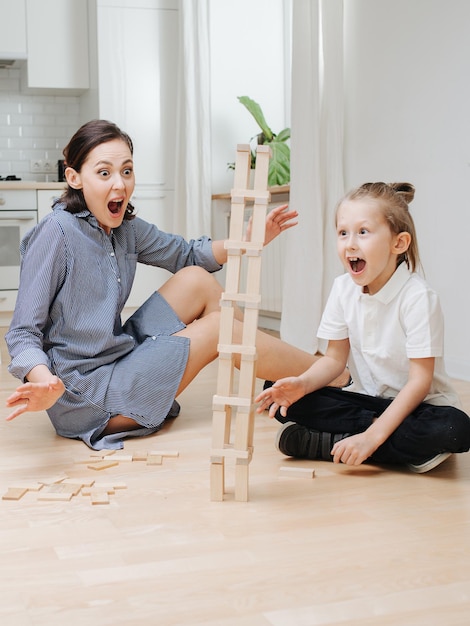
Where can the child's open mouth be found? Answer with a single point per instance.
(356, 265)
(115, 207)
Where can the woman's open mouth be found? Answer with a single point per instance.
(356, 264)
(115, 206)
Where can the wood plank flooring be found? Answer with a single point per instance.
(358, 547)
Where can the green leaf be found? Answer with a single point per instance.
(255, 110)
(279, 164)
(284, 135)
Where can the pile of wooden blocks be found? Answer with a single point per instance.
(64, 488)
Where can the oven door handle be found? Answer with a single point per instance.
(18, 216)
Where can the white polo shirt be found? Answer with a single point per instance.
(400, 322)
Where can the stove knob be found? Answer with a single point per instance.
(2, 201)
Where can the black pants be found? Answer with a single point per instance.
(428, 431)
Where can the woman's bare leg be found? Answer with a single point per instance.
(194, 295)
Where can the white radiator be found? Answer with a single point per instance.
(272, 267)
(272, 273)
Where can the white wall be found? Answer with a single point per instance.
(32, 127)
(249, 57)
(408, 118)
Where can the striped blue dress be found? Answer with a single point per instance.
(75, 280)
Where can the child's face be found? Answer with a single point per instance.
(366, 246)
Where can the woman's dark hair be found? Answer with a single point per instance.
(88, 137)
(393, 199)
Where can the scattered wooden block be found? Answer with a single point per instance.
(53, 480)
(35, 486)
(109, 488)
(101, 465)
(119, 485)
(122, 457)
(173, 453)
(14, 493)
(154, 459)
(58, 492)
(82, 482)
(297, 472)
(101, 453)
(99, 497)
(139, 456)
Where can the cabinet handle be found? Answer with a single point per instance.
(16, 219)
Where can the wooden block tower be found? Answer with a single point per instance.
(246, 255)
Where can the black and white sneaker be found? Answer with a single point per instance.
(301, 442)
(430, 464)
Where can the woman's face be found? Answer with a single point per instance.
(107, 182)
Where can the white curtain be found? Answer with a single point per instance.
(316, 166)
(192, 214)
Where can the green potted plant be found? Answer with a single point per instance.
(279, 164)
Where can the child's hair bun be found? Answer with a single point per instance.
(406, 190)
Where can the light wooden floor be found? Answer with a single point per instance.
(360, 547)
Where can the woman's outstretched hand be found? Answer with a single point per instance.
(35, 396)
(278, 220)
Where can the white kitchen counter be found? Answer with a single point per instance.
(30, 184)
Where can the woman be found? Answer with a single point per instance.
(98, 379)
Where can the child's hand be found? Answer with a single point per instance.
(35, 396)
(353, 450)
(281, 395)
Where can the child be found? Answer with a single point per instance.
(385, 322)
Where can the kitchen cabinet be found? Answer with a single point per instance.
(57, 42)
(22, 204)
(13, 29)
(45, 198)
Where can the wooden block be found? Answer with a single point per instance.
(154, 459)
(14, 493)
(99, 497)
(122, 457)
(217, 482)
(101, 465)
(241, 481)
(235, 348)
(139, 456)
(297, 472)
(221, 420)
(173, 453)
(109, 488)
(57, 492)
(231, 453)
(33, 486)
(72, 488)
(82, 482)
(101, 453)
(53, 480)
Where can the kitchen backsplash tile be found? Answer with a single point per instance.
(32, 127)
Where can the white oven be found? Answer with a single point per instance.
(18, 214)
